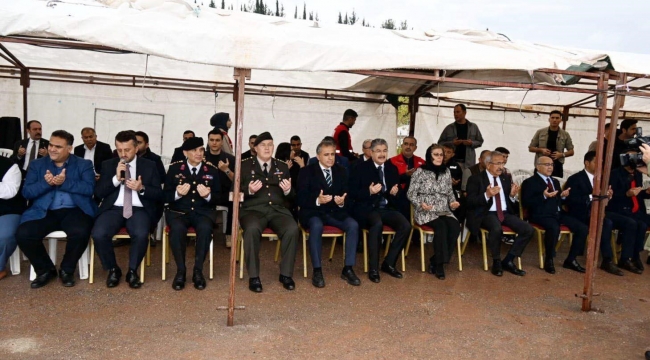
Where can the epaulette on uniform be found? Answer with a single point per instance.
(247, 159)
(177, 162)
(211, 164)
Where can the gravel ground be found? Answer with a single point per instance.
(471, 314)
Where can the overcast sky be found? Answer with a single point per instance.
(620, 25)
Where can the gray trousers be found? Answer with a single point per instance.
(253, 222)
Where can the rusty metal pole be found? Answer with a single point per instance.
(240, 75)
(24, 81)
(601, 183)
(565, 116)
(413, 109)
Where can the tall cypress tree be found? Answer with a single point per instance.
(223, 4)
(304, 11)
(295, 14)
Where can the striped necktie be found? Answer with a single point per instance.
(328, 177)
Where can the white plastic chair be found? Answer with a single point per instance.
(6, 152)
(14, 262)
(52, 239)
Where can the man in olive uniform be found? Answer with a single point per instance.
(192, 190)
(266, 185)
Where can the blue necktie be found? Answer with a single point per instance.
(328, 177)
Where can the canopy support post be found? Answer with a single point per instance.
(240, 75)
(413, 109)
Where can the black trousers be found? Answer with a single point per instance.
(446, 230)
(73, 221)
(524, 231)
(374, 222)
(551, 226)
(178, 225)
(109, 223)
(632, 235)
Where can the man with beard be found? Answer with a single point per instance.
(342, 135)
(225, 162)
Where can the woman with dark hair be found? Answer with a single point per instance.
(222, 122)
(283, 152)
(433, 201)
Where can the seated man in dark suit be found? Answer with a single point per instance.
(338, 160)
(130, 188)
(266, 186)
(192, 190)
(60, 188)
(491, 204)
(628, 200)
(542, 196)
(34, 147)
(322, 193)
(93, 150)
(178, 152)
(145, 152)
(225, 162)
(374, 187)
(578, 204)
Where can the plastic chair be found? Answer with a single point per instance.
(389, 233)
(6, 152)
(428, 231)
(267, 233)
(166, 253)
(328, 232)
(122, 234)
(14, 262)
(52, 239)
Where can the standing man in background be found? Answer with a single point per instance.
(552, 141)
(93, 150)
(34, 147)
(406, 163)
(342, 135)
(464, 135)
(225, 162)
(178, 152)
(250, 152)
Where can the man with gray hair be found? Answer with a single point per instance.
(322, 198)
(374, 187)
(367, 152)
(491, 205)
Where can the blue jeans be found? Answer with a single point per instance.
(8, 224)
(349, 226)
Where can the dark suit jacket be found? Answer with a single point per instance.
(149, 155)
(178, 155)
(43, 144)
(478, 206)
(79, 183)
(620, 181)
(363, 175)
(108, 193)
(103, 152)
(578, 202)
(310, 183)
(532, 197)
(271, 195)
(179, 173)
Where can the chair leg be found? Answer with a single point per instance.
(540, 247)
(403, 262)
(365, 251)
(388, 240)
(14, 262)
(408, 243)
(483, 241)
(465, 242)
(142, 267)
(277, 250)
(332, 249)
(52, 245)
(304, 254)
(211, 259)
(614, 246)
(519, 262)
(83, 264)
(343, 246)
(148, 255)
(241, 255)
(165, 240)
(460, 254)
(91, 278)
(422, 250)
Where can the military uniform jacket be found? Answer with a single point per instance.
(271, 194)
(180, 173)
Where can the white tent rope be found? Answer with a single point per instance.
(144, 79)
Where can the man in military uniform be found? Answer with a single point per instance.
(266, 185)
(192, 190)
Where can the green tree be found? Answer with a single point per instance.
(340, 18)
(311, 15)
(295, 14)
(223, 4)
(212, 5)
(403, 25)
(282, 10)
(277, 8)
(345, 21)
(353, 18)
(304, 11)
(316, 17)
(388, 24)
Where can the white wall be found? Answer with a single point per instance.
(72, 107)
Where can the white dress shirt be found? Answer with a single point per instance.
(10, 183)
(90, 153)
(197, 167)
(591, 180)
(502, 196)
(323, 168)
(135, 199)
(28, 151)
(383, 169)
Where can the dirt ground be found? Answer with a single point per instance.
(471, 314)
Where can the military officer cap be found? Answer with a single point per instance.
(192, 143)
(261, 137)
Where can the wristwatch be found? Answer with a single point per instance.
(227, 172)
(141, 192)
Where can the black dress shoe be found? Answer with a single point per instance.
(373, 275)
(437, 270)
(647, 353)
(349, 276)
(133, 279)
(573, 265)
(287, 282)
(549, 266)
(152, 241)
(510, 266)
(255, 285)
(638, 264)
(497, 269)
(179, 280)
(113, 278)
(648, 262)
(67, 279)
(198, 279)
(627, 265)
(44, 278)
(317, 279)
(390, 270)
(611, 268)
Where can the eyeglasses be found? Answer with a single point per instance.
(546, 164)
(498, 163)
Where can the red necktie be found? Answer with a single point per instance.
(549, 185)
(497, 198)
(635, 202)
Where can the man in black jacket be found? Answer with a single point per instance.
(226, 165)
(491, 204)
(374, 187)
(95, 151)
(34, 147)
(322, 193)
(130, 189)
(192, 190)
(178, 152)
(541, 196)
(145, 152)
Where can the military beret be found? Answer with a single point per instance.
(261, 137)
(192, 143)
